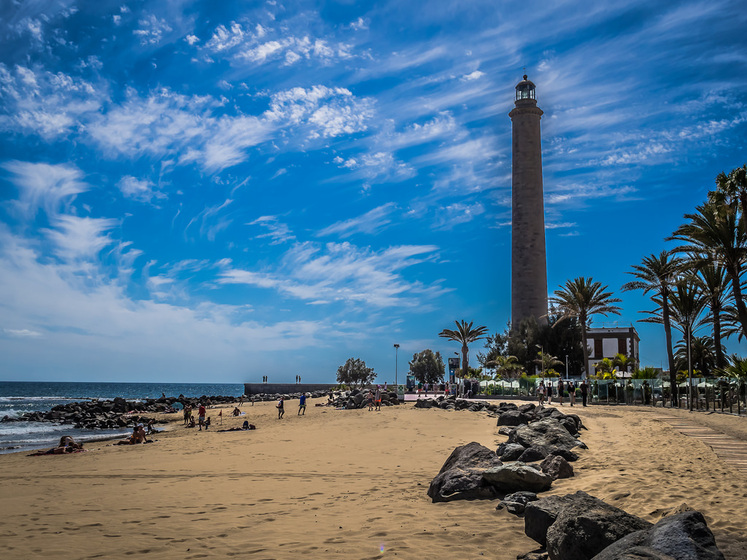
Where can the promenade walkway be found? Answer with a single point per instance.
(731, 450)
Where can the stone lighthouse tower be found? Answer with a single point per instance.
(528, 262)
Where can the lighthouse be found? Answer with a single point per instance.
(528, 260)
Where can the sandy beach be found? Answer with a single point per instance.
(340, 484)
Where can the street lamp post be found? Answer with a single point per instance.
(566, 367)
(396, 352)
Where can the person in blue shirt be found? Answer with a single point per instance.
(302, 405)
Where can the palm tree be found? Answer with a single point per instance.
(656, 274)
(712, 280)
(582, 298)
(622, 362)
(716, 230)
(731, 188)
(506, 367)
(702, 355)
(465, 335)
(687, 302)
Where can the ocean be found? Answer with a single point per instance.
(17, 397)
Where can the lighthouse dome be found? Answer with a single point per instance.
(525, 89)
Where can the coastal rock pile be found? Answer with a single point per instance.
(452, 403)
(112, 414)
(358, 398)
(582, 527)
(474, 471)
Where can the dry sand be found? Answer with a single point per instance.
(339, 484)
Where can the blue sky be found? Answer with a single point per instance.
(217, 191)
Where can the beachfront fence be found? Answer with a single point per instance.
(723, 394)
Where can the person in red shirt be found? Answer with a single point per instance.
(201, 416)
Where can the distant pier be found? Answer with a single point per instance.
(285, 388)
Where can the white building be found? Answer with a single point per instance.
(607, 342)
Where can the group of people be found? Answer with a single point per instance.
(301, 406)
(138, 436)
(548, 390)
(189, 419)
(374, 399)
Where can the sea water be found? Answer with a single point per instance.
(18, 397)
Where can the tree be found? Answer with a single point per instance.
(506, 367)
(622, 362)
(646, 373)
(465, 335)
(581, 298)
(427, 367)
(702, 355)
(656, 274)
(355, 372)
(712, 280)
(716, 231)
(547, 361)
(731, 189)
(688, 303)
(604, 369)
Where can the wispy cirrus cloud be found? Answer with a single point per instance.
(44, 186)
(277, 231)
(344, 273)
(260, 44)
(371, 222)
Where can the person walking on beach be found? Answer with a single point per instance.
(584, 391)
(281, 408)
(572, 392)
(201, 416)
(541, 393)
(549, 392)
(560, 391)
(302, 405)
(370, 400)
(377, 398)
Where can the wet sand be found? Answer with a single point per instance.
(341, 484)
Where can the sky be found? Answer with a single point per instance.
(217, 191)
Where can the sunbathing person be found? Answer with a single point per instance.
(67, 445)
(138, 436)
(245, 426)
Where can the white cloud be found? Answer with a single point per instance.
(211, 220)
(78, 239)
(166, 123)
(473, 76)
(44, 186)
(90, 322)
(22, 333)
(342, 272)
(263, 44)
(326, 112)
(138, 189)
(278, 232)
(152, 29)
(43, 103)
(371, 222)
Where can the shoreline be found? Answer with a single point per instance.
(343, 483)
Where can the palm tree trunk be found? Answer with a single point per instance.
(716, 312)
(670, 353)
(465, 365)
(582, 316)
(736, 290)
